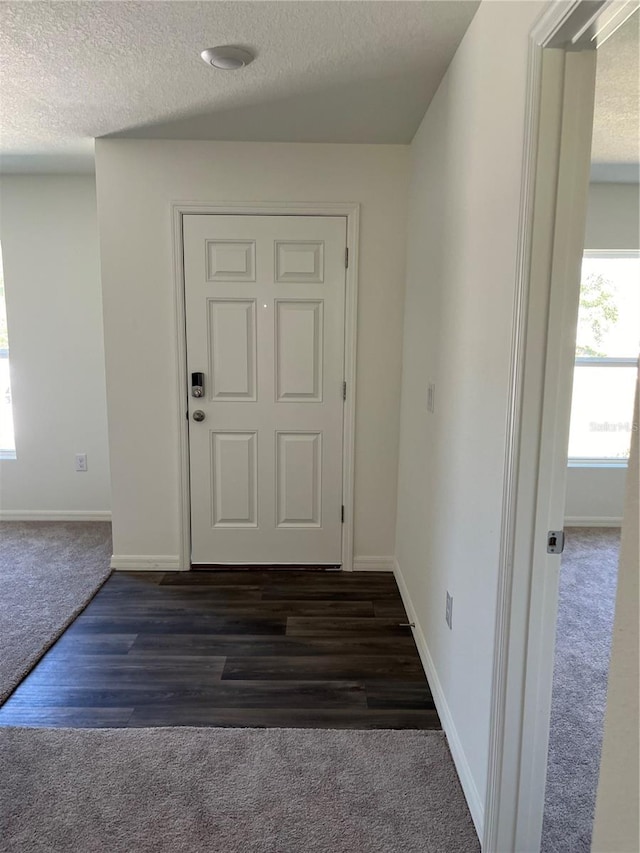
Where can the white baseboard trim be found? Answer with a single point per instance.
(596, 521)
(476, 807)
(53, 515)
(373, 564)
(146, 563)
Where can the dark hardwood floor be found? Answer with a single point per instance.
(242, 648)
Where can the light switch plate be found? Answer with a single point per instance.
(431, 397)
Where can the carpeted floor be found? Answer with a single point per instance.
(48, 572)
(586, 606)
(168, 790)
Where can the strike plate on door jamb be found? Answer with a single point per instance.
(555, 542)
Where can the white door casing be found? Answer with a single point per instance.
(265, 304)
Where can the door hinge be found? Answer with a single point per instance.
(555, 542)
(346, 258)
(344, 390)
(342, 514)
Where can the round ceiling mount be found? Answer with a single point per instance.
(227, 57)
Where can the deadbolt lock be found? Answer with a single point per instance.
(197, 384)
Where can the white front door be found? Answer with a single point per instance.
(265, 300)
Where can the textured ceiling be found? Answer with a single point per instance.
(324, 72)
(615, 150)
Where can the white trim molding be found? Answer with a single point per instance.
(351, 212)
(146, 563)
(455, 745)
(595, 521)
(54, 515)
(373, 564)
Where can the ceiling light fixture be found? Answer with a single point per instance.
(227, 57)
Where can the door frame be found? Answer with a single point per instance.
(346, 210)
(557, 106)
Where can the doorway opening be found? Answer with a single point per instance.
(600, 436)
(607, 342)
(555, 200)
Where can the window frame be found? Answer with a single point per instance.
(7, 453)
(606, 361)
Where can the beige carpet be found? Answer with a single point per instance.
(48, 573)
(169, 790)
(586, 607)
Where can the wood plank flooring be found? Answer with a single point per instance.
(233, 648)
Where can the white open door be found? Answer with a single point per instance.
(265, 307)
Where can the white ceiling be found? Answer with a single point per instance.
(338, 71)
(324, 72)
(615, 148)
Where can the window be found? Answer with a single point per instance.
(607, 346)
(7, 440)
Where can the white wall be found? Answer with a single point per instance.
(613, 217)
(49, 233)
(467, 161)
(596, 495)
(616, 827)
(137, 181)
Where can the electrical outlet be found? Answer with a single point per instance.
(431, 397)
(81, 461)
(448, 615)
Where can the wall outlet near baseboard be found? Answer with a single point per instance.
(448, 615)
(81, 462)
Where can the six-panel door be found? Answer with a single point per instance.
(265, 299)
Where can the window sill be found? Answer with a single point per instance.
(597, 463)
(8, 454)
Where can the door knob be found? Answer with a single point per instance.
(198, 415)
